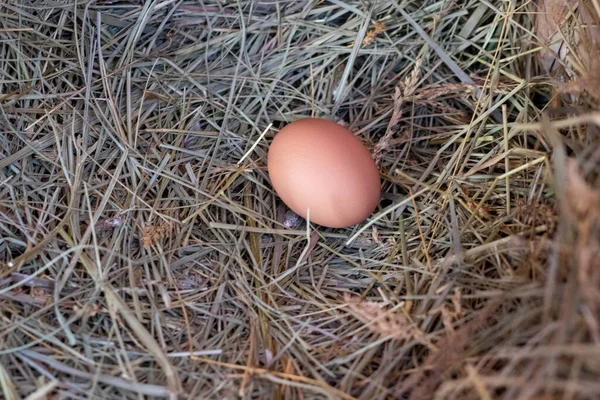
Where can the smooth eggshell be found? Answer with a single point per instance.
(319, 165)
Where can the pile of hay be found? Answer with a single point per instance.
(139, 258)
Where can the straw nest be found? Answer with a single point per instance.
(139, 258)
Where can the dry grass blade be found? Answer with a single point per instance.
(8, 387)
(143, 252)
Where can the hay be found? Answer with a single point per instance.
(144, 253)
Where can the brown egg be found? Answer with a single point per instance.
(319, 165)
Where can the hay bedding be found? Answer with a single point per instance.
(141, 259)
